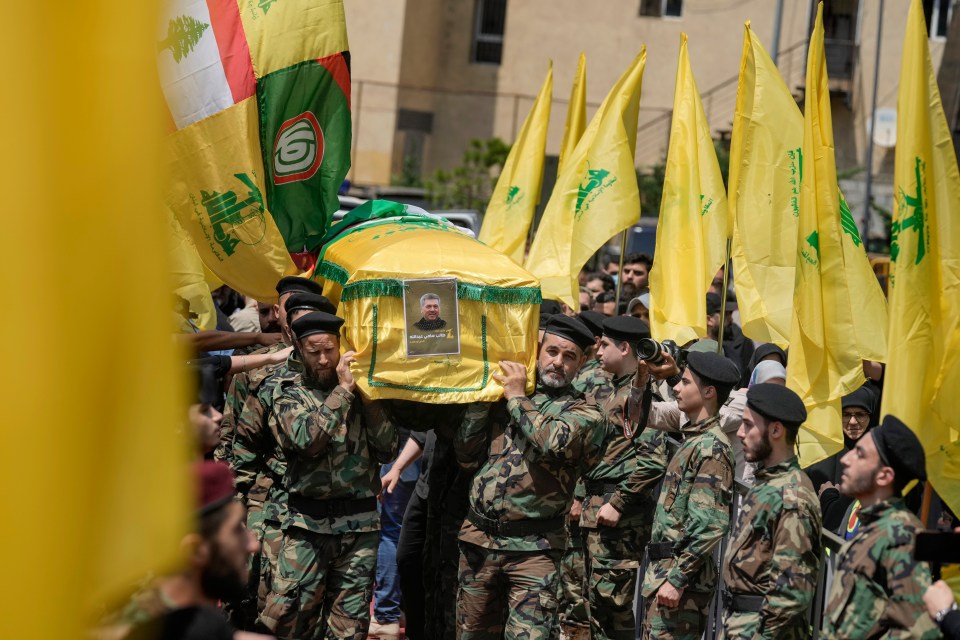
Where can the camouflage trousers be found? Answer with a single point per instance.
(613, 558)
(243, 614)
(322, 586)
(507, 594)
(686, 621)
(573, 617)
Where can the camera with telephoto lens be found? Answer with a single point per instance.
(652, 351)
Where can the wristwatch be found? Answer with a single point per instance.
(940, 615)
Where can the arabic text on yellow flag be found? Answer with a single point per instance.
(95, 432)
(576, 114)
(693, 218)
(764, 194)
(923, 361)
(839, 311)
(596, 195)
(515, 198)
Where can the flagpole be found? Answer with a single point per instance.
(623, 252)
(723, 296)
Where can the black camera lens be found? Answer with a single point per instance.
(649, 349)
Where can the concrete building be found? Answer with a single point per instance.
(430, 75)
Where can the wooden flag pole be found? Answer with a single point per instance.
(723, 296)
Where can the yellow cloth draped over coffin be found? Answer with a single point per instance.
(489, 306)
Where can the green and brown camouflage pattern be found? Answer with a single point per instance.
(334, 443)
(614, 554)
(572, 614)
(686, 621)
(775, 552)
(693, 513)
(878, 587)
(506, 594)
(592, 380)
(534, 449)
(323, 586)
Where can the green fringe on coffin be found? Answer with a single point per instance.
(331, 271)
(465, 291)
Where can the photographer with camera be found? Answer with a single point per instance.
(693, 510)
(618, 510)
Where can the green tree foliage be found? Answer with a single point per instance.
(470, 185)
(183, 34)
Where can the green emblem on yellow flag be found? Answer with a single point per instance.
(592, 182)
(910, 216)
(234, 220)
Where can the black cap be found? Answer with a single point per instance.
(550, 307)
(570, 329)
(713, 368)
(713, 304)
(900, 449)
(311, 301)
(767, 349)
(776, 402)
(296, 284)
(864, 397)
(544, 319)
(594, 321)
(316, 322)
(626, 328)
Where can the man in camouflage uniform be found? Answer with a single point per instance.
(693, 510)
(530, 452)
(593, 381)
(259, 465)
(878, 587)
(618, 512)
(246, 382)
(771, 566)
(333, 443)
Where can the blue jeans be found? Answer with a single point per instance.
(386, 597)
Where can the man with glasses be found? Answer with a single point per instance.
(858, 410)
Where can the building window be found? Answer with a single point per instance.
(661, 8)
(488, 33)
(938, 14)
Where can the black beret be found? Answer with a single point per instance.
(593, 320)
(310, 301)
(625, 328)
(550, 307)
(544, 319)
(776, 402)
(316, 322)
(570, 329)
(863, 397)
(768, 349)
(713, 368)
(296, 284)
(900, 449)
(713, 304)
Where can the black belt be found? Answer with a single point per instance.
(741, 602)
(660, 550)
(332, 508)
(516, 528)
(599, 488)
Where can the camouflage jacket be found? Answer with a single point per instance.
(334, 443)
(531, 452)
(241, 386)
(592, 380)
(635, 463)
(693, 510)
(878, 587)
(256, 458)
(775, 552)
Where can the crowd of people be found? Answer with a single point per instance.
(531, 517)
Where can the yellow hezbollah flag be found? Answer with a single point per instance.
(190, 277)
(839, 314)
(693, 218)
(596, 195)
(576, 114)
(517, 193)
(764, 194)
(95, 435)
(923, 361)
